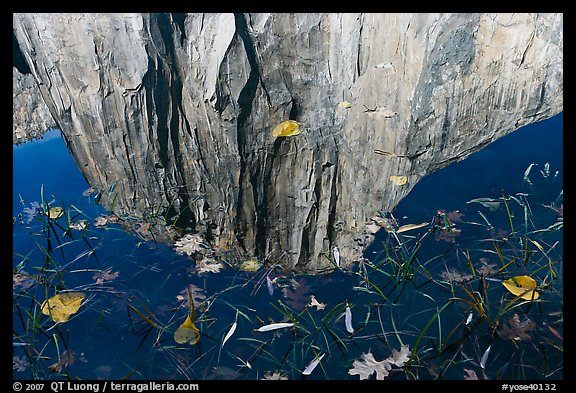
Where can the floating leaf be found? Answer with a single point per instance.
(274, 326)
(399, 358)
(517, 330)
(276, 375)
(485, 357)
(368, 365)
(65, 360)
(190, 244)
(63, 305)
(471, 375)
(315, 303)
(522, 286)
(308, 370)
(230, 333)
(399, 180)
(187, 332)
(208, 265)
(345, 105)
(286, 128)
(55, 212)
(79, 225)
(410, 227)
(269, 286)
(348, 320)
(251, 265)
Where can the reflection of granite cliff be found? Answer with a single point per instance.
(176, 110)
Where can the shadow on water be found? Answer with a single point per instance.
(427, 303)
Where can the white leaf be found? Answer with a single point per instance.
(230, 333)
(469, 319)
(399, 358)
(348, 320)
(336, 256)
(368, 365)
(485, 357)
(269, 285)
(274, 326)
(308, 370)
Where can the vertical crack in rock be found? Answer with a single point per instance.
(245, 99)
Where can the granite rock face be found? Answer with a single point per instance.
(176, 111)
(30, 115)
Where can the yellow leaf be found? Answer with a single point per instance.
(286, 128)
(251, 265)
(522, 286)
(55, 212)
(399, 180)
(345, 105)
(187, 332)
(60, 307)
(410, 227)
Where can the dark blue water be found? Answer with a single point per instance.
(136, 289)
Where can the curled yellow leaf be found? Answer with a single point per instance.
(522, 286)
(399, 180)
(63, 305)
(345, 105)
(187, 332)
(286, 128)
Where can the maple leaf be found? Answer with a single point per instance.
(208, 265)
(66, 359)
(276, 375)
(455, 216)
(101, 221)
(190, 244)
(197, 295)
(399, 358)
(19, 364)
(517, 330)
(368, 365)
(79, 225)
(486, 268)
(22, 280)
(106, 275)
(455, 276)
(30, 212)
(446, 234)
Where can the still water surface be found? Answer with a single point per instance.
(417, 289)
